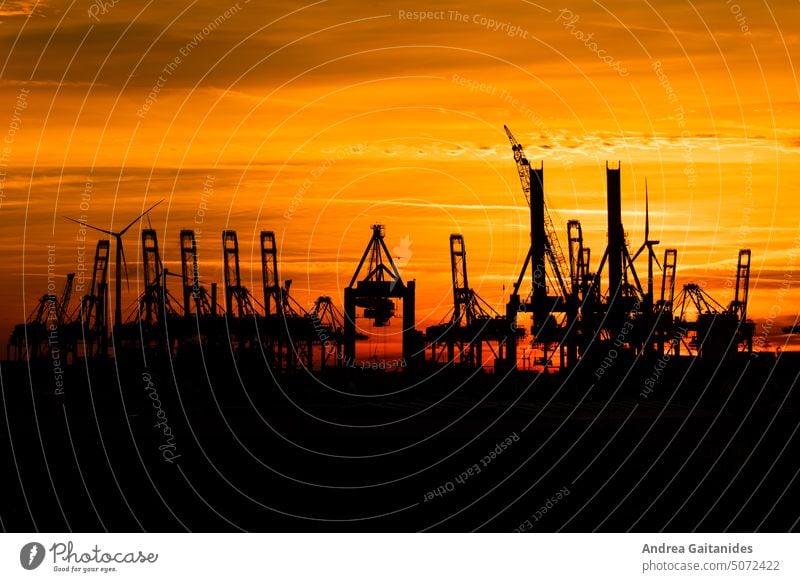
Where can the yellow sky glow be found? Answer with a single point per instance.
(319, 120)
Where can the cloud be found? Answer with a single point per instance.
(20, 7)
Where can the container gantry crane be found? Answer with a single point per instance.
(238, 300)
(155, 303)
(193, 291)
(273, 297)
(471, 324)
(89, 326)
(718, 331)
(287, 331)
(738, 307)
(663, 327)
(328, 323)
(376, 294)
(35, 337)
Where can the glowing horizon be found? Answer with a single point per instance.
(317, 121)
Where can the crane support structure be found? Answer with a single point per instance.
(375, 294)
(668, 281)
(549, 270)
(663, 328)
(193, 291)
(51, 327)
(41, 332)
(92, 314)
(717, 331)
(154, 303)
(473, 324)
(328, 322)
(544, 241)
(273, 302)
(288, 333)
(66, 296)
(739, 304)
(237, 298)
(458, 270)
(622, 294)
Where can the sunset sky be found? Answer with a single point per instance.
(317, 120)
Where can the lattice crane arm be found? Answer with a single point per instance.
(554, 252)
(523, 165)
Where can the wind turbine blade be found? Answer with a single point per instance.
(639, 252)
(138, 218)
(86, 224)
(655, 258)
(124, 261)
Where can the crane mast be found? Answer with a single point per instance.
(552, 247)
(739, 304)
(237, 297)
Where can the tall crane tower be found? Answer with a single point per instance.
(154, 303)
(549, 294)
(663, 329)
(288, 332)
(273, 298)
(193, 291)
(237, 297)
(579, 256)
(738, 307)
(739, 304)
(668, 281)
(545, 247)
(622, 294)
(92, 316)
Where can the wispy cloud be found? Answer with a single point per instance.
(20, 7)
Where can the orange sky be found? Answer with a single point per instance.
(317, 120)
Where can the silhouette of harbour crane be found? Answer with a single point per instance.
(470, 324)
(376, 293)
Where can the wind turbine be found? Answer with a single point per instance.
(648, 244)
(120, 258)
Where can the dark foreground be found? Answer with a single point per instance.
(186, 445)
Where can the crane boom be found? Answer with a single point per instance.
(523, 165)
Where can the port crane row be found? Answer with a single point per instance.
(569, 312)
